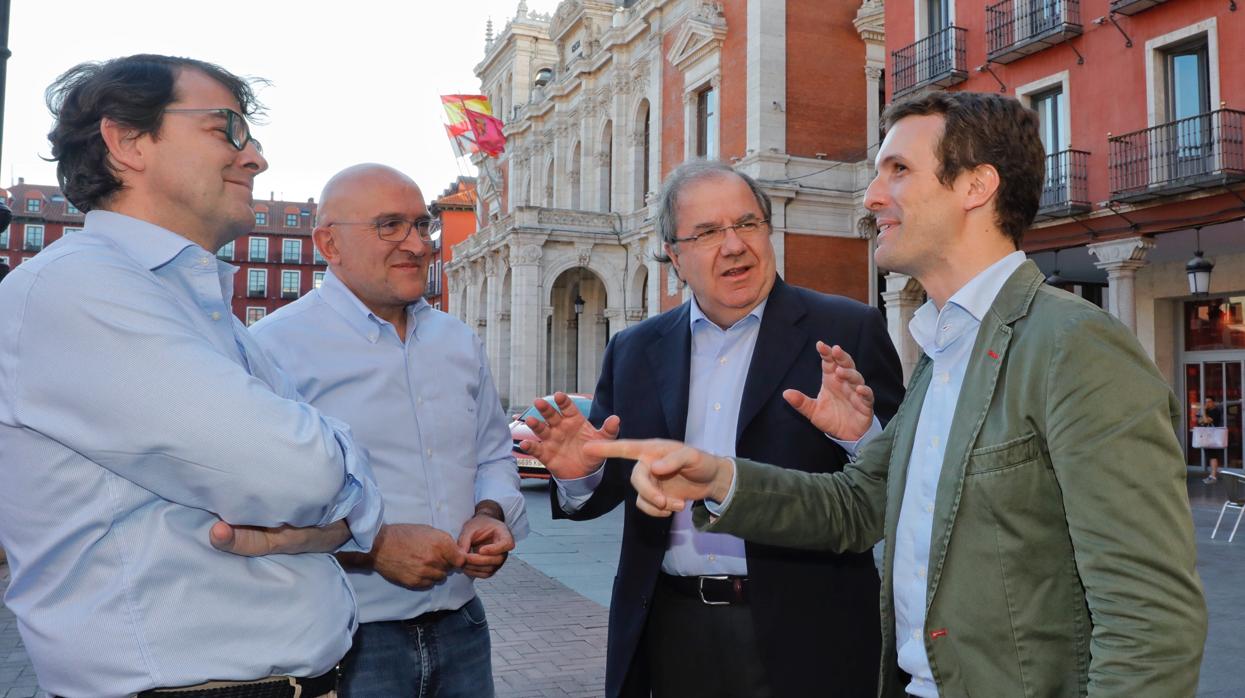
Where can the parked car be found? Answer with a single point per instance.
(519, 432)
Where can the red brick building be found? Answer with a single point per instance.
(1142, 108)
(456, 210)
(277, 260)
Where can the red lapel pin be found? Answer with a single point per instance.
(992, 355)
(941, 632)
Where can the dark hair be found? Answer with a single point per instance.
(986, 129)
(668, 196)
(133, 91)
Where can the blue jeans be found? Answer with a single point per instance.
(447, 657)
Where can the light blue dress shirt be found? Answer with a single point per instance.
(947, 337)
(425, 409)
(135, 410)
(719, 370)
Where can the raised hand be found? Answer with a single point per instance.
(255, 541)
(844, 404)
(485, 541)
(413, 555)
(562, 437)
(668, 474)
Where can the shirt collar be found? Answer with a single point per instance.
(696, 314)
(339, 297)
(146, 243)
(973, 298)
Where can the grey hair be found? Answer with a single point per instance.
(693, 170)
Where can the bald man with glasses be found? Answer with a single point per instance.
(414, 385)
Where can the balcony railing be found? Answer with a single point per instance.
(1199, 152)
(938, 59)
(1016, 28)
(256, 292)
(1132, 7)
(289, 295)
(1066, 190)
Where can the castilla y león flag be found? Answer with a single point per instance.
(472, 127)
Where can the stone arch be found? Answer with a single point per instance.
(576, 341)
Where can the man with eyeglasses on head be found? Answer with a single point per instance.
(414, 385)
(147, 437)
(708, 615)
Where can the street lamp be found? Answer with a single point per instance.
(1055, 279)
(1199, 269)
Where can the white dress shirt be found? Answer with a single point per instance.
(425, 409)
(947, 337)
(135, 410)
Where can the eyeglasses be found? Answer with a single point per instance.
(713, 237)
(396, 229)
(237, 130)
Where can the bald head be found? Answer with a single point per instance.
(351, 183)
(358, 206)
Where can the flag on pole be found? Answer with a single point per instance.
(472, 128)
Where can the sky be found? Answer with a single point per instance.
(352, 82)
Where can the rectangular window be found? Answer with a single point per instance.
(72, 210)
(291, 220)
(1189, 139)
(72, 230)
(34, 205)
(4, 238)
(4, 259)
(316, 257)
(317, 279)
(707, 123)
(291, 251)
(226, 252)
(254, 315)
(34, 238)
(256, 283)
(290, 281)
(261, 218)
(259, 250)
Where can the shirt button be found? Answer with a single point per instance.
(430, 451)
(419, 401)
(944, 377)
(934, 442)
(373, 336)
(717, 407)
(920, 572)
(929, 508)
(205, 261)
(712, 557)
(916, 634)
(722, 361)
(215, 314)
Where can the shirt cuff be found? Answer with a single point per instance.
(359, 502)
(574, 493)
(853, 448)
(716, 508)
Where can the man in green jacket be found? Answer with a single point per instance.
(1031, 487)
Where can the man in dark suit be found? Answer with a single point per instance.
(769, 621)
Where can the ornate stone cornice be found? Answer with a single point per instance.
(869, 21)
(702, 34)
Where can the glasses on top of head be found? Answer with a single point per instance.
(714, 237)
(237, 130)
(397, 229)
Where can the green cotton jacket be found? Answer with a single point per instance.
(1062, 556)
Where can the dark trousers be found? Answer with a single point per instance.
(694, 649)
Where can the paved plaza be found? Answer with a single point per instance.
(547, 607)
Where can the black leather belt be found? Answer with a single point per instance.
(431, 617)
(712, 590)
(275, 687)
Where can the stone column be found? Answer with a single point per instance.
(1121, 259)
(492, 312)
(526, 322)
(903, 295)
(767, 77)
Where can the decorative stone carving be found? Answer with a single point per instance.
(873, 73)
(525, 253)
(575, 219)
(583, 254)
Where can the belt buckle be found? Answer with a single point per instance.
(700, 587)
